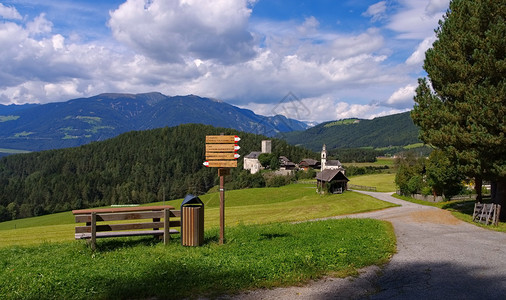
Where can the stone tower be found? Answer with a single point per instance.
(266, 146)
(324, 157)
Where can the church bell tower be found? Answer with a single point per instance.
(324, 157)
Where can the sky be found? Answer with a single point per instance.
(314, 60)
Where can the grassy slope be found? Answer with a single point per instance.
(255, 256)
(380, 162)
(294, 202)
(271, 253)
(382, 182)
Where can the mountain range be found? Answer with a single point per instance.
(34, 127)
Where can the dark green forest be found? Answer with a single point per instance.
(355, 154)
(135, 167)
(393, 130)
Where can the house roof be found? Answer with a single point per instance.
(284, 159)
(254, 154)
(309, 162)
(333, 163)
(329, 175)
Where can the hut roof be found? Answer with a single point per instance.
(330, 175)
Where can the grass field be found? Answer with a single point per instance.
(12, 151)
(40, 260)
(380, 162)
(255, 256)
(382, 182)
(296, 202)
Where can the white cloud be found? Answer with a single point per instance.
(418, 56)
(417, 19)
(176, 31)
(66, 88)
(8, 12)
(376, 11)
(324, 108)
(436, 6)
(213, 49)
(39, 25)
(309, 26)
(403, 97)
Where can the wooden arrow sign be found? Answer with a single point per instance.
(221, 148)
(220, 155)
(221, 163)
(222, 139)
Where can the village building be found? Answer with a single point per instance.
(330, 164)
(251, 161)
(286, 164)
(309, 163)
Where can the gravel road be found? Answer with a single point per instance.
(438, 257)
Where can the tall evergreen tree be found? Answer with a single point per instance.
(461, 108)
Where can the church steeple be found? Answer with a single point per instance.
(324, 157)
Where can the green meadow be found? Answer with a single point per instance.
(291, 203)
(266, 246)
(382, 182)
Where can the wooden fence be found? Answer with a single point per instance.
(362, 187)
(486, 213)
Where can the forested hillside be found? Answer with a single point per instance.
(135, 167)
(393, 130)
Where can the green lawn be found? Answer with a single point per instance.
(254, 256)
(40, 260)
(382, 182)
(295, 202)
(380, 162)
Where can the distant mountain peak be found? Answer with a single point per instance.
(83, 120)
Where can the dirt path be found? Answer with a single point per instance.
(438, 257)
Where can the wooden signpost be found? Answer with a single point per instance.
(221, 153)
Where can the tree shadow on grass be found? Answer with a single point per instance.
(113, 244)
(465, 207)
(409, 281)
(271, 236)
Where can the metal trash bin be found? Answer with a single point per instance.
(192, 221)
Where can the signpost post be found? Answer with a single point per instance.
(221, 153)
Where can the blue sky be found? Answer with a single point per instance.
(335, 59)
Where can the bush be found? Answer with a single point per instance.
(426, 190)
(278, 180)
(309, 174)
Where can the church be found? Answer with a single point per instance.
(330, 164)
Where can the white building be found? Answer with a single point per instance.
(330, 164)
(251, 161)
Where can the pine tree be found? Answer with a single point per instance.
(462, 107)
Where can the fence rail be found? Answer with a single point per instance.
(362, 187)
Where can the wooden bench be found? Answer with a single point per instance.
(93, 229)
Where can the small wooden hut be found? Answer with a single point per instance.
(331, 181)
